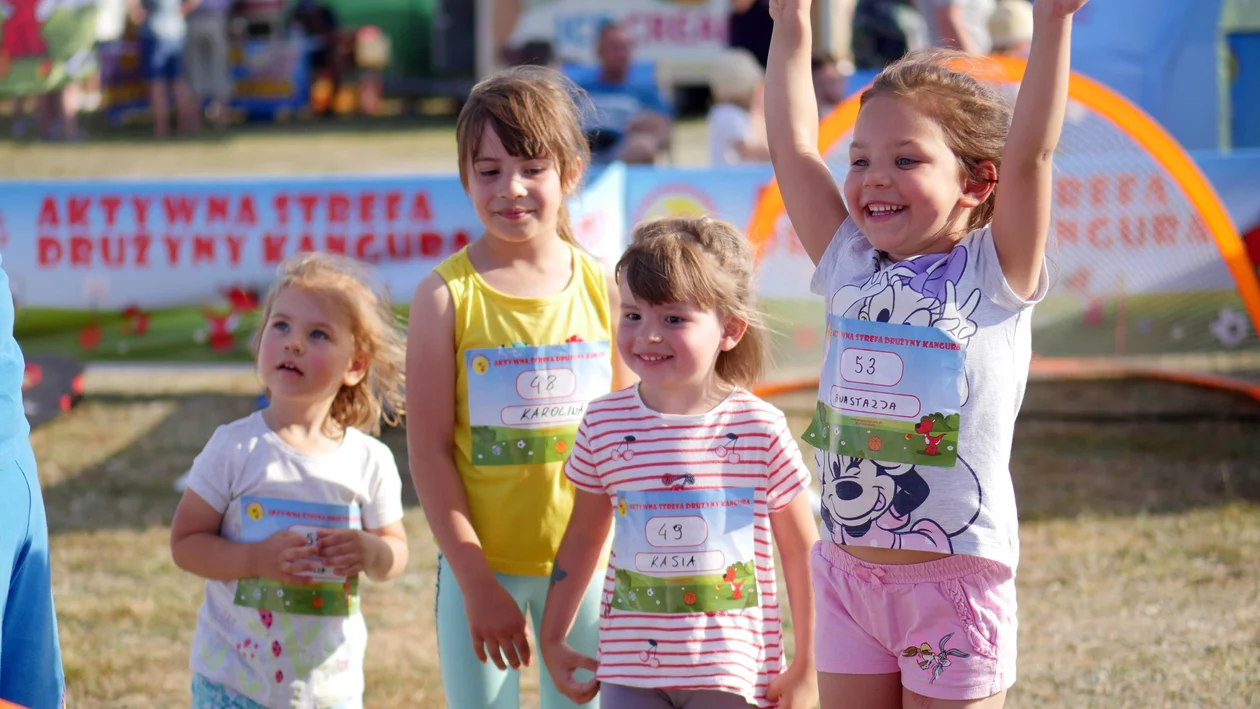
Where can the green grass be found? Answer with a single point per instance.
(499, 445)
(710, 593)
(893, 441)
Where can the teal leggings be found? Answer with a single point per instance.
(470, 684)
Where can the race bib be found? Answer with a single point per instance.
(328, 594)
(890, 393)
(688, 551)
(525, 403)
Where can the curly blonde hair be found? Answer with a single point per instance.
(707, 262)
(376, 329)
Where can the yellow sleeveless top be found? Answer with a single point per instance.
(525, 370)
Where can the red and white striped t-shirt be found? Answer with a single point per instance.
(740, 452)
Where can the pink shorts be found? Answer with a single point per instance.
(947, 626)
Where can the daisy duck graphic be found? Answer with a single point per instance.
(888, 504)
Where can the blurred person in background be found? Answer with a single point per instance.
(885, 30)
(959, 24)
(1011, 27)
(829, 82)
(736, 123)
(163, 30)
(750, 28)
(319, 24)
(206, 51)
(631, 122)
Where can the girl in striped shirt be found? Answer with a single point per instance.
(696, 476)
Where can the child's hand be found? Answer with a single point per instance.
(346, 551)
(1059, 8)
(562, 661)
(281, 557)
(497, 626)
(796, 688)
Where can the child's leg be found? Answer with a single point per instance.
(467, 681)
(210, 695)
(918, 701)
(837, 691)
(616, 696)
(583, 637)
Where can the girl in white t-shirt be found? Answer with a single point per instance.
(702, 481)
(286, 507)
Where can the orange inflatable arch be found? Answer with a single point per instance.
(1127, 118)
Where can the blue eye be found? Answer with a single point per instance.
(905, 162)
(861, 162)
(319, 335)
(281, 326)
(632, 316)
(674, 319)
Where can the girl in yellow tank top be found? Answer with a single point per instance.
(508, 341)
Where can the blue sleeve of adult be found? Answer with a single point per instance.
(31, 673)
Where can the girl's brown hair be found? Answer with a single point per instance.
(376, 329)
(706, 262)
(973, 115)
(534, 112)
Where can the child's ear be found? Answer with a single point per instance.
(357, 370)
(732, 332)
(977, 191)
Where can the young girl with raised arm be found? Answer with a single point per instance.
(931, 258)
(701, 480)
(512, 338)
(287, 506)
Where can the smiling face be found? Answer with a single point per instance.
(307, 351)
(673, 346)
(856, 491)
(906, 190)
(517, 198)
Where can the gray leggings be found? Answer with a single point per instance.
(616, 696)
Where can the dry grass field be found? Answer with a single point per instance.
(1139, 583)
(1140, 501)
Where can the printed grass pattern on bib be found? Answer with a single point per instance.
(525, 403)
(685, 551)
(890, 393)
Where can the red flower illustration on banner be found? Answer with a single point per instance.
(90, 336)
(135, 321)
(220, 330)
(243, 300)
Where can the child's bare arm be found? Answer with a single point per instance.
(794, 535)
(584, 541)
(197, 547)
(1021, 218)
(813, 201)
(431, 430)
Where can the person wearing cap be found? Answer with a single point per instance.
(737, 129)
(1011, 28)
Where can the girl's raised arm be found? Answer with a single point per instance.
(1021, 216)
(813, 201)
